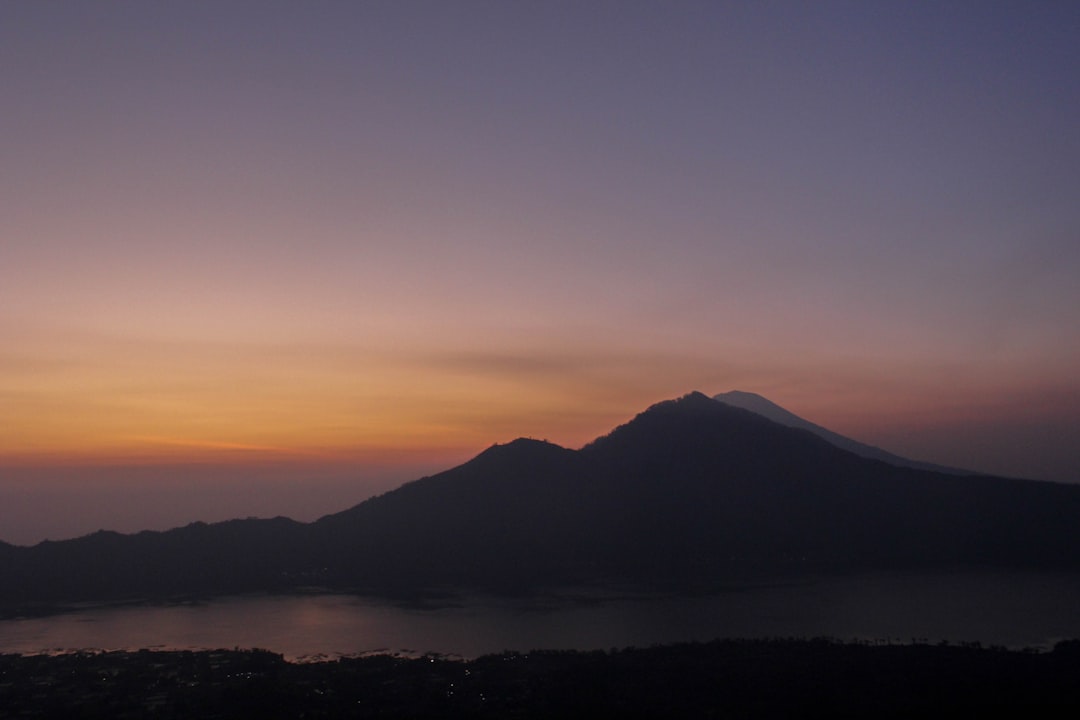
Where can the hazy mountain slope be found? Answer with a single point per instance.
(733, 486)
(686, 487)
(504, 516)
(762, 406)
(232, 556)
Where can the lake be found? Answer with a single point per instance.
(994, 608)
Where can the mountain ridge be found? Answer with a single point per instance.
(766, 408)
(689, 491)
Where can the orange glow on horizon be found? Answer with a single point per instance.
(102, 399)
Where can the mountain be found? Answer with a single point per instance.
(762, 406)
(688, 493)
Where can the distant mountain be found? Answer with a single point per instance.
(762, 406)
(690, 492)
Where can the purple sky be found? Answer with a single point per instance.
(327, 245)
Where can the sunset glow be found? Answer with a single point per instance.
(388, 235)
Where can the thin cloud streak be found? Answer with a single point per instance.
(362, 231)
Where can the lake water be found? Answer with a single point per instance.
(1014, 610)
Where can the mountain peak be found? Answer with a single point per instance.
(763, 406)
(737, 394)
(522, 444)
(690, 400)
(526, 450)
(766, 408)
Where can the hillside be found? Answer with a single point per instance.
(766, 408)
(690, 492)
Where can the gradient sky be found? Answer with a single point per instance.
(279, 256)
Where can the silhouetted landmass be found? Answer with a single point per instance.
(765, 407)
(690, 492)
(744, 679)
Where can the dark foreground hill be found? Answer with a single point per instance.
(690, 492)
(743, 679)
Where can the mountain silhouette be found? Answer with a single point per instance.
(762, 406)
(688, 493)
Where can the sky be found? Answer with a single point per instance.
(263, 258)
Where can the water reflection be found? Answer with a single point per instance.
(1015, 610)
